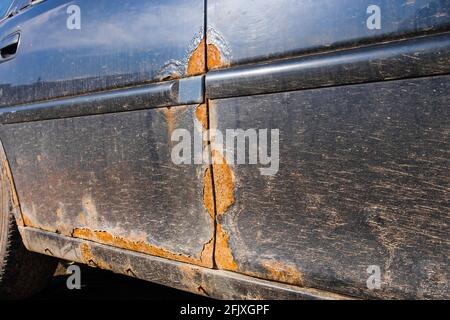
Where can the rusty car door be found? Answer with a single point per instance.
(89, 100)
(359, 202)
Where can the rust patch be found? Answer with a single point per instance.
(223, 255)
(223, 183)
(214, 57)
(208, 192)
(89, 259)
(107, 238)
(218, 196)
(282, 272)
(196, 63)
(206, 256)
(202, 115)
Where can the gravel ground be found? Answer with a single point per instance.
(98, 284)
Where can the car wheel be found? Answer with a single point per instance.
(22, 273)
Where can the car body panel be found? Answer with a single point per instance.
(107, 52)
(363, 180)
(110, 178)
(88, 118)
(264, 30)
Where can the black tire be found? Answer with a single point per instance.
(22, 273)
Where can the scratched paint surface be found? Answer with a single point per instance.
(110, 179)
(363, 180)
(261, 30)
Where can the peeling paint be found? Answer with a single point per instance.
(172, 69)
(196, 63)
(214, 57)
(193, 62)
(218, 55)
(141, 246)
(218, 50)
(201, 114)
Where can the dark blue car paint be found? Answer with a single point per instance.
(87, 117)
(120, 44)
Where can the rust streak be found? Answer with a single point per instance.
(30, 221)
(27, 221)
(170, 118)
(208, 193)
(196, 63)
(223, 255)
(107, 238)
